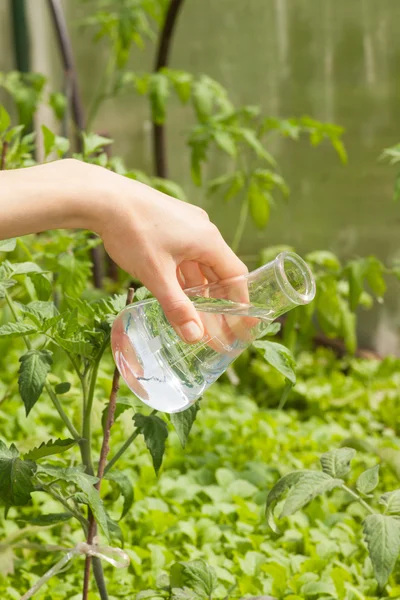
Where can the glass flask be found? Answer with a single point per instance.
(169, 375)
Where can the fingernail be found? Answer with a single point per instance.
(191, 332)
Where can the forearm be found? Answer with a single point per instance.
(45, 197)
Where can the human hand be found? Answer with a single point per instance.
(165, 243)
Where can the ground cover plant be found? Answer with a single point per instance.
(186, 497)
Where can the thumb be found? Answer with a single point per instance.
(177, 307)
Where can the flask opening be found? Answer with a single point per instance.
(294, 278)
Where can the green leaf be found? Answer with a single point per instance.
(48, 140)
(16, 329)
(324, 258)
(197, 575)
(50, 519)
(15, 477)
(391, 500)
(4, 119)
(59, 104)
(73, 274)
(76, 347)
(368, 480)
(259, 205)
(183, 422)
(62, 388)
(250, 137)
(8, 245)
(126, 488)
(236, 186)
(311, 485)
(42, 285)
(303, 487)
(155, 432)
(203, 99)
(49, 448)
(35, 365)
(382, 536)
(85, 483)
(374, 274)
(158, 94)
(93, 143)
(348, 326)
(225, 141)
(279, 357)
(355, 271)
(182, 83)
(336, 463)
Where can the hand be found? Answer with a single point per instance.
(165, 243)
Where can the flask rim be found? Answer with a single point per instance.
(285, 285)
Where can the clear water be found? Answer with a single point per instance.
(168, 374)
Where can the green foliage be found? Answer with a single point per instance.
(155, 432)
(15, 477)
(35, 365)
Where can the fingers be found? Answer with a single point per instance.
(177, 307)
(192, 274)
(220, 258)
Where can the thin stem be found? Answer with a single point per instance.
(63, 501)
(244, 212)
(163, 50)
(359, 499)
(47, 386)
(124, 447)
(105, 448)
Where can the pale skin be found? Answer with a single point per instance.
(165, 243)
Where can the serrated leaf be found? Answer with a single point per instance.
(73, 274)
(196, 575)
(368, 480)
(183, 422)
(303, 486)
(126, 488)
(49, 448)
(42, 285)
(279, 357)
(62, 388)
(15, 477)
(8, 245)
(250, 137)
(391, 500)
(85, 484)
(336, 463)
(75, 347)
(382, 536)
(35, 365)
(155, 432)
(17, 329)
(311, 485)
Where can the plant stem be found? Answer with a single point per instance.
(124, 447)
(105, 448)
(47, 386)
(244, 212)
(359, 499)
(163, 50)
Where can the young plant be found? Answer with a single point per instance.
(381, 525)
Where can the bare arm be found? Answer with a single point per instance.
(162, 241)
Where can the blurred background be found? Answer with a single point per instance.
(336, 61)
